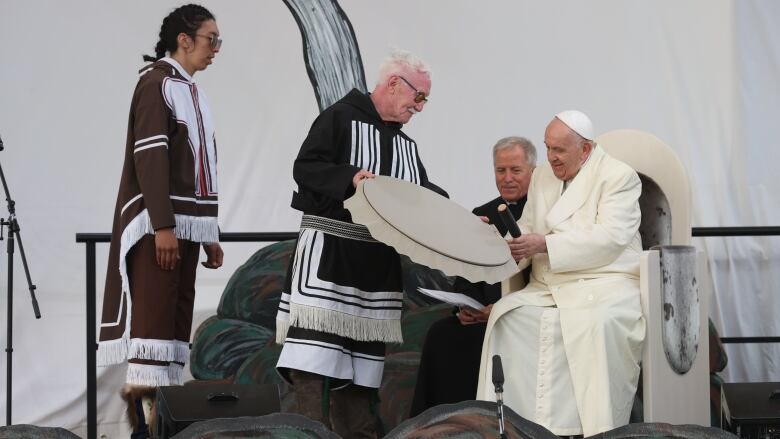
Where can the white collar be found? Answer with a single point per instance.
(587, 159)
(178, 67)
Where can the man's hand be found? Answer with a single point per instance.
(470, 316)
(361, 175)
(214, 255)
(527, 245)
(166, 248)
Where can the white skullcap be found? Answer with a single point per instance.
(578, 122)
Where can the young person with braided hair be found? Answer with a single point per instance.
(166, 210)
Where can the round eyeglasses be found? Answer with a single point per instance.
(419, 95)
(214, 41)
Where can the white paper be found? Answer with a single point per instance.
(456, 299)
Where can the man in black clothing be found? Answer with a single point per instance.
(343, 295)
(449, 365)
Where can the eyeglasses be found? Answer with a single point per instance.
(214, 41)
(419, 96)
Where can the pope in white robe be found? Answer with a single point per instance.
(571, 340)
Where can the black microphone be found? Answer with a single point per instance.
(510, 223)
(498, 381)
(1, 144)
(498, 374)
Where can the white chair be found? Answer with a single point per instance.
(665, 203)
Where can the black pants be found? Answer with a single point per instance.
(449, 365)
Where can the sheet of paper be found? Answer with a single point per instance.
(456, 299)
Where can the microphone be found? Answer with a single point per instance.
(509, 221)
(1, 144)
(498, 374)
(498, 381)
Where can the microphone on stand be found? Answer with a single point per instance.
(498, 382)
(1, 144)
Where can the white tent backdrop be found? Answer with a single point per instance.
(701, 75)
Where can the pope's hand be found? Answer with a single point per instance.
(527, 246)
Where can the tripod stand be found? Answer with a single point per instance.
(13, 234)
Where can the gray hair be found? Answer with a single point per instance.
(400, 61)
(517, 142)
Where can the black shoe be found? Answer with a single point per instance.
(141, 430)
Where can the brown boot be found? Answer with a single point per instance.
(143, 398)
(308, 391)
(351, 412)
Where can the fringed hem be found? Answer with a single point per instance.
(136, 229)
(191, 228)
(182, 353)
(158, 350)
(345, 325)
(112, 352)
(147, 375)
(282, 325)
(175, 374)
(197, 228)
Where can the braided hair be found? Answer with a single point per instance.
(184, 19)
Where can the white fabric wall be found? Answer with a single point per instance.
(701, 75)
(747, 270)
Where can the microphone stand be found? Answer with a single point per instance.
(498, 381)
(13, 234)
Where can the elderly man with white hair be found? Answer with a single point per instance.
(343, 296)
(571, 340)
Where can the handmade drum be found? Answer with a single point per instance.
(431, 229)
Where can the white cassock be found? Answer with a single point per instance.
(571, 341)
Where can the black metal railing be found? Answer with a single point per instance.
(91, 239)
(739, 231)
(735, 231)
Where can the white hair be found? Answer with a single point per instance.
(401, 61)
(517, 142)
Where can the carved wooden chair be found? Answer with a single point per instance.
(675, 383)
